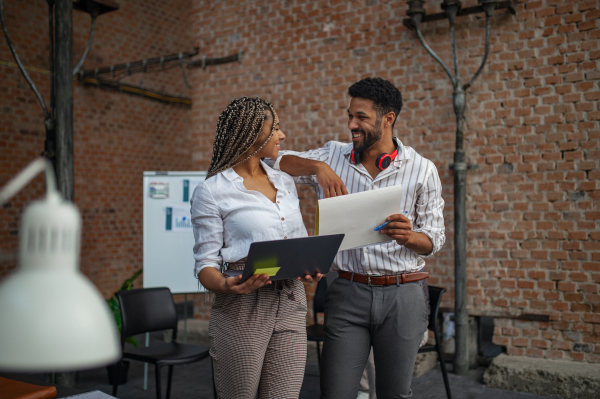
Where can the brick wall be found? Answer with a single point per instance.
(116, 136)
(532, 127)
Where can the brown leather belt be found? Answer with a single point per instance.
(385, 280)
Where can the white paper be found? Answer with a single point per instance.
(357, 215)
(91, 395)
(182, 220)
(178, 220)
(188, 186)
(159, 190)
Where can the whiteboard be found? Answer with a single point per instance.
(168, 235)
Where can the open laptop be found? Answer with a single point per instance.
(291, 258)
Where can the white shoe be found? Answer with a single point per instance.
(362, 395)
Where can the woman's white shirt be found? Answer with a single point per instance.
(227, 217)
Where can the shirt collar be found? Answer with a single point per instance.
(402, 153)
(231, 175)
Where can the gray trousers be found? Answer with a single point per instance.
(390, 318)
(367, 380)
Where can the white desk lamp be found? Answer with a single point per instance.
(52, 318)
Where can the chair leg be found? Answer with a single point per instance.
(169, 381)
(116, 373)
(318, 355)
(438, 348)
(212, 373)
(157, 372)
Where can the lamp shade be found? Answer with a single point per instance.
(52, 318)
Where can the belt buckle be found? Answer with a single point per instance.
(369, 280)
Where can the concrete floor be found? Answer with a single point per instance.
(193, 381)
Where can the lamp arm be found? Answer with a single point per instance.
(432, 53)
(485, 54)
(26, 175)
(18, 60)
(89, 44)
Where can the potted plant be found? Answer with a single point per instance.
(113, 303)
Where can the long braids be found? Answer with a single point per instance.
(238, 127)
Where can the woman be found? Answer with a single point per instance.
(257, 328)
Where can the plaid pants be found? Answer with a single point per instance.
(258, 342)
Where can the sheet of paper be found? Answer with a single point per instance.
(91, 395)
(189, 185)
(178, 220)
(356, 215)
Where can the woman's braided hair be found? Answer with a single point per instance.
(238, 128)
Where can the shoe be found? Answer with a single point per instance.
(362, 395)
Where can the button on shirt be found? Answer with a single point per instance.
(421, 197)
(227, 217)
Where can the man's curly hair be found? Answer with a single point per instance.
(385, 96)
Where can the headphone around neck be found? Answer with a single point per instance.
(383, 161)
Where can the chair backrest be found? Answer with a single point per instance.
(319, 299)
(435, 298)
(147, 310)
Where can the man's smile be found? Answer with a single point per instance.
(357, 135)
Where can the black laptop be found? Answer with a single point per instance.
(291, 258)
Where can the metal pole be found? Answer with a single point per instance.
(451, 8)
(461, 318)
(64, 97)
(461, 354)
(50, 142)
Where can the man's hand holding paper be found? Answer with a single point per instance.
(400, 229)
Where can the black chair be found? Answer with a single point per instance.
(315, 332)
(435, 298)
(148, 310)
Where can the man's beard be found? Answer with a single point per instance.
(368, 139)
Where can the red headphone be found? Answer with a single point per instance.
(383, 160)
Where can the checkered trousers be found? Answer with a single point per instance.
(258, 342)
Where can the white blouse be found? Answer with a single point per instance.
(227, 217)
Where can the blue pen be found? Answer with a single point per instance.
(384, 225)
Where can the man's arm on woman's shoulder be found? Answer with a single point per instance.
(329, 181)
(312, 168)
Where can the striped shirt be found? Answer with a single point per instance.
(421, 197)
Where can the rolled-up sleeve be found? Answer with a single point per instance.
(208, 230)
(430, 208)
(319, 154)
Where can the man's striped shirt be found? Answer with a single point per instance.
(421, 197)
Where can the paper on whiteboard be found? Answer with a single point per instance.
(159, 190)
(189, 185)
(178, 220)
(356, 215)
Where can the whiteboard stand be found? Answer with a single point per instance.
(146, 364)
(168, 236)
(185, 318)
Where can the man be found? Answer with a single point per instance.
(362, 311)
